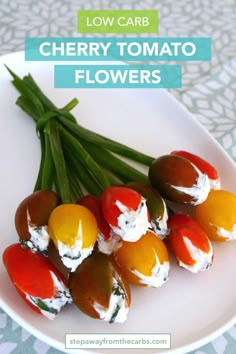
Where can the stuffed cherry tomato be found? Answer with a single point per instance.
(37, 280)
(203, 165)
(144, 262)
(73, 229)
(107, 240)
(189, 243)
(126, 212)
(156, 207)
(31, 219)
(217, 215)
(99, 289)
(178, 180)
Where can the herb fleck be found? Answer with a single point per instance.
(115, 313)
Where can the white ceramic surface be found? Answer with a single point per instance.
(193, 308)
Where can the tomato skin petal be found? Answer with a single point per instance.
(218, 213)
(141, 256)
(23, 295)
(30, 272)
(92, 282)
(128, 197)
(93, 203)
(38, 206)
(181, 226)
(176, 243)
(178, 180)
(203, 165)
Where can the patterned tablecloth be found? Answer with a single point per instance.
(209, 90)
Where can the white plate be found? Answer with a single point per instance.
(193, 308)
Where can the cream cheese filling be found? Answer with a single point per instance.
(215, 183)
(39, 237)
(73, 256)
(118, 309)
(132, 224)
(50, 307)
(159, 274)
(229, 235)
(108, 246)
(159, 226)
(198, 191)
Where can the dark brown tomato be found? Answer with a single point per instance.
(92, 283)
(34, 210)
(170, 171)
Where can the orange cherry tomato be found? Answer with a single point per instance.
(144, 262)
(217, 215)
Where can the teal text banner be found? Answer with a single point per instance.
(115, 49)
(117, 76)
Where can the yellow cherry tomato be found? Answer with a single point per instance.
(69, 223)
(217, 215)
(144, 262)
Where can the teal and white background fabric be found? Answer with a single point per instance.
(209, 90)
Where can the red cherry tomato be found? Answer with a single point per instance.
(183, 226)
(126, 196)
(203, 165)
(31, 273)
(93, 203)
